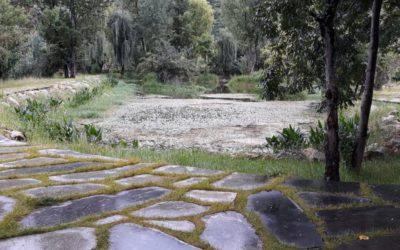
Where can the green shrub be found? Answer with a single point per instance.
(177, 91)
(34, 112)
(347, 136)
(290, 138)
(246, 83)
(317, 136)
(93, 134)
(64, 131)
(293, 97)
(209, 81)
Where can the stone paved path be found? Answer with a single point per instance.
(70, 200)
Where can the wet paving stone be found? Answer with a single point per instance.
(13, 150)
(5, 142)
(285, 220)
(241, 181)
(324, 186)
(34, 162)
(391, 242)
(189, 182)
(98, 175)
(134, 237)
(176, 225)
(73, 154)
(172, 169)
(111, 219)
(211, 196)
(387, 192)
(7, 205)
(12, 157)
(141, 179)
(63, 191)
(76, 209)
(81, 238)
(322, 200)
(170, 209)
(360, 220)
(17, 183)
(230, 231)
(67, 167)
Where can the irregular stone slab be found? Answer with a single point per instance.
(324, 186)
(190, 182)
(110, 220)
(5, 142)
(7, 205)
(10, 157)
(230, 231)
(375, 243)
(176, 225)
(17, 183)
(81, 238)
(98, 175)
(13, 150)
(134, 237)
(321, 200)
(63, 191)
(141, 179)
(74, 154)
(285, 220)
(387, 192)
(50, 169)
(360, 220)
(241, 181)
(172, 169)
(170, 209)
(34, 162)
(76, 209)
(212, 196)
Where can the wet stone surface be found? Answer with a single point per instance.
(323, 186)
(17, 183)
(111, 219)
(98, 175)
(141, 179)
(10, 157)
(230, 231)
(73, 210)
(170, 209)
(34, 162)
(181, 225)
(13, 150)
(387, 192)
(63, 191)
(360, 220)
(285, 220)
(134, 237)
(241, 181)
(7, 204)
(211, 196)
(321, 200)
(74, 154)
(81, 238)
(189, 182)
(172, 169)
(67, 167)
(391, 242)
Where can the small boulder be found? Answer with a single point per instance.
(289, 154)
(389, 120)
(17, 136)
(313, 155)
(13, 102)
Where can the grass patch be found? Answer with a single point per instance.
(209, 81)
(246, 83)
(173, 90)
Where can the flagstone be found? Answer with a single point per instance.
(321, 200)
(73, 210)
(13, 150)
(230, 231)
(170, 209)
(17, 183)
(241, 181)
(176, 225)
(11, 157)
(285, 220)
(7, 205)
(387, 192)
(81, 238)
(212, 196)
(111, 219)
(74, 154)
(63, 191)
(173, 169)
(190, 182)
(134, 237)
(141, 179)
(324, 186)
(34, 162)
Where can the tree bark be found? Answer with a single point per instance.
(366, 102)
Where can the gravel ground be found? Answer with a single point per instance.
(223, 126)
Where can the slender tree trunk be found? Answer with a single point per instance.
(66, 71)
(72, 66)
(362, 130)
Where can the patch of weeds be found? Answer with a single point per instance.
(246, 83)
(347, 136)
(290, 138)
(64, 131)
(317, 136)
(93, 134)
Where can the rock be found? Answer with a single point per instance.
(111, 219)
(322, 200)
(387, 192)
(392, 146)
(285, 220)
(373, 155)
(74, 154)
(239, 181)
(13, 157)
(170, 209)
(134, 237)
(13, 150)
(141, 179)
(323, 186)
(181, 225)
(5, 142)
(17, 183)
(63, 191)
(172, 169)
(34, 162)
(289, 154)
(375, 243)
(7, 205)
(73, 210)
(230, 231)
(313, 155)
(211, 196)
(13, 102)
(389, 120)
(81, 238)
(17, 136)
(360, 220)
(190, 182)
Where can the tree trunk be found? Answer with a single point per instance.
(66, 71)
(362, 130)
(72, 66)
